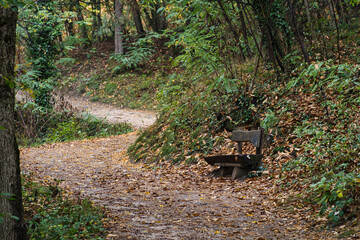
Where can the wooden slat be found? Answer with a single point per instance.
(247, 136)
(228, 164)
(243, 159)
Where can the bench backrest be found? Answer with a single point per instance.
(254, 136)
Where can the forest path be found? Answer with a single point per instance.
(166, 202)
(137, 118)
(113, 114)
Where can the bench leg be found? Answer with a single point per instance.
(225, 171)
(239, 173)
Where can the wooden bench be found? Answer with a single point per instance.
(239, 165)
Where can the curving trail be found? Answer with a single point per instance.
(166, 202)
(137, 118)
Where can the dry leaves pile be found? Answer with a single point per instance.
(168, 202)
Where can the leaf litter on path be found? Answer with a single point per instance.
(167, 201)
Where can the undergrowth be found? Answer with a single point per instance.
(132, 89)
(193, 113)
(320, 112)
(50, 215)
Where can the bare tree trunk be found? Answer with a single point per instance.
(337, 29)
(297, 31)
(233, 30)
(119, 48)
(98, 14)
(157, 19)
(135, 10)
(80, 18)
(11, 208)
(244, 30)
(268, 29)
(308, 16)
(251, 23)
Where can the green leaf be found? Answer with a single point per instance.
(15, 217)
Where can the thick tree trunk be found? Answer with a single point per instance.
(119, 49)
(11, 209)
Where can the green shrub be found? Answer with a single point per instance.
(36, 125)
(66, 131)
(137, 54)
(50, 215)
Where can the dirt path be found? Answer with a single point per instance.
(167, 202)
(137, 118)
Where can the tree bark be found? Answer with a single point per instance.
(297, 31)
(135, 10)
(98, 14)
(157, 20)
(309, 21)
(233, 30)
(119, 48)
(80, 18)
(11, 208)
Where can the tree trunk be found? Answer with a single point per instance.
(244, 30)
(11, 208)
(119, 49)
(262, 10)
(135, 10)
(80, 18)
(233, 30)
(297, 31)
(309, 21)
(95, 27)
(157, 20)
(98, 14)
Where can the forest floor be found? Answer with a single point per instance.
(165, 201)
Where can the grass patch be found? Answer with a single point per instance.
(51, 215)
(37, 125)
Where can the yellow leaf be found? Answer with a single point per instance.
(339, 194)
(216, 232)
